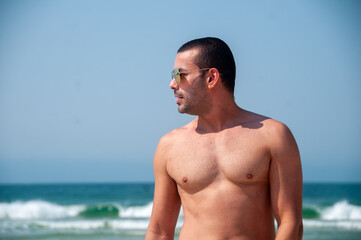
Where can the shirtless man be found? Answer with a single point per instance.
(233, 171)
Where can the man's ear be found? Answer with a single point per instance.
(213, 78)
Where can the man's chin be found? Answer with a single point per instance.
(185, 111)
(180, 110)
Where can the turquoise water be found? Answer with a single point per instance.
(122, 211)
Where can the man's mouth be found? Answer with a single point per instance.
(179, 98)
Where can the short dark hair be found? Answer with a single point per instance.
(213, 52)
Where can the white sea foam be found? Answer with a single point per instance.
(129, 224)
(137, 224)
(125, 224)
(37, 209)
(340, 215)
(136, 212)
(342, 211)
(356, 225)
(76, 225)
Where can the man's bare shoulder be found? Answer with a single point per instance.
(273, 126)
(278, 137)
(267, 124)
(174, 136)
(179, 132)
(277, 130)
(272, 131)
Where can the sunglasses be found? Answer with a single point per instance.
(176, 74)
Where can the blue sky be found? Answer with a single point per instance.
(84, 85)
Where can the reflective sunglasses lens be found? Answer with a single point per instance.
(176, 75)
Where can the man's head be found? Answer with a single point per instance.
(201, 67)
(214, 53)
(189, 84)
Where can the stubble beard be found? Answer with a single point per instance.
(196, 102)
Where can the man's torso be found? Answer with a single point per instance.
(222, 179)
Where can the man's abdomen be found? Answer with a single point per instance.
(225, 210)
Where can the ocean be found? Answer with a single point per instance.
(122, 211)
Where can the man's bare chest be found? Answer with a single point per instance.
(199, 162)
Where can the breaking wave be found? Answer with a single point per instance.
(38, 209)
(43, 214)
(341, 210)
(342, 214)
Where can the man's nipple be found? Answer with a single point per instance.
(249, 175)
(185, 179)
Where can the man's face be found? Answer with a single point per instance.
(191, 92)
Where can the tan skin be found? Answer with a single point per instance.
(233, 171)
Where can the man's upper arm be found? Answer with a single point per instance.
(166, 203)
(286, 181)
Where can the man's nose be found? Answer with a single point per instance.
(173, 85)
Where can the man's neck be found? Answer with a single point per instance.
(222, 115)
